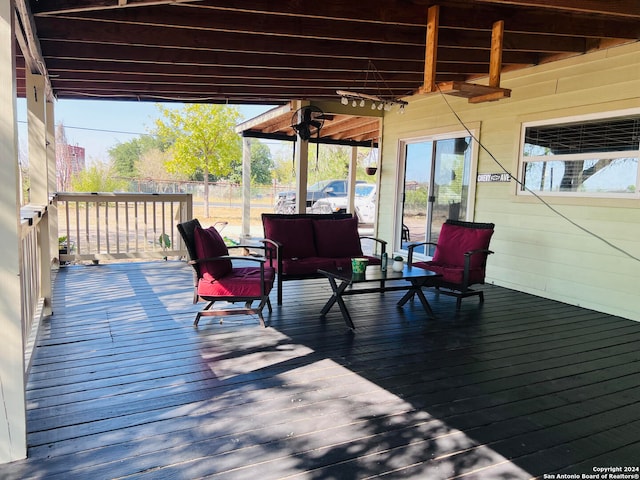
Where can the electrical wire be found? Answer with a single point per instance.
(102, 130)
(538, 197)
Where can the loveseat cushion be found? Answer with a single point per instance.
(310, 265)
(337, 238)
(209, 243)
(455, 240)
(295, 235)
(241, 282)
(306, 266)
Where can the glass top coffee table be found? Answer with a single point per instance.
(415, 279)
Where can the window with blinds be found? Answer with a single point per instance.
(595, 157)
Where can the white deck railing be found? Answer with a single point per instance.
(116, 226)
(34, 273)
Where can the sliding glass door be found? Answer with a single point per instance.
(435, 187)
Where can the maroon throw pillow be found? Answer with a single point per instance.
(337, 238)
(295, 235)
(455, 240)
(209, 243)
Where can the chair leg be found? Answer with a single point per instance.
(269, 305)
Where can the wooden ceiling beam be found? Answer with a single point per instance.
(475, 16)
(191, 76)
(106, 53)
(73, 6)
(453, 16)
(143, 34)
(627, 8)
(149, 60)
(241, 21)
(377, 12)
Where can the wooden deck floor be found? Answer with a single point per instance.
(123, 386)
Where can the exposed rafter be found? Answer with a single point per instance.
(259, 51)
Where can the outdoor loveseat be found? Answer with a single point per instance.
(300, 244)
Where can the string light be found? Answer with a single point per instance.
(377, 103)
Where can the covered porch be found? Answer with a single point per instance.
(123, 386)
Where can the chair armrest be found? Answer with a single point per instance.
(270, 246)
(467, 264)
(412, 246)
(469, 254)
(480, 250)
(382, 243)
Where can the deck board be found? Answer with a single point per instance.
(123, 386)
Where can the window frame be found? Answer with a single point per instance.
(521, 190)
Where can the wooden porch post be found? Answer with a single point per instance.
(52, 181)
(13, 437)
(246, 187)
(39, 175)
(351, 207)
(302, 169)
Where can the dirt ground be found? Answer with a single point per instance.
(233, 217)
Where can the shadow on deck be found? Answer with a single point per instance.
(123, 386)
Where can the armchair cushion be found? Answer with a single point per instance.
(240, 282)
(296, 236)
(209, 243)
(453, 275)
(455, 240)
(338, 238)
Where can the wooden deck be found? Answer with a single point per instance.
(123, 386)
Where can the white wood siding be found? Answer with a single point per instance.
(536, 250)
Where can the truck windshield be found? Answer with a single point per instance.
(318, 186)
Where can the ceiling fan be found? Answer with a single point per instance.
(308, 121)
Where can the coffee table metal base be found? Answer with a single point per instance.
(415, 277)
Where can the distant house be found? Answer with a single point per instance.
(70, 160)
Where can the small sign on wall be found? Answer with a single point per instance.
(494, 177)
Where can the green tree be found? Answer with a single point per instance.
(262, 165)
(332, 161)
(152, 165)
(125, 157)
(204, 140)
(96, 178)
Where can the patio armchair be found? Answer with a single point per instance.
(218, 277)
(460, 256)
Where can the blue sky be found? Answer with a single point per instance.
(98, 125)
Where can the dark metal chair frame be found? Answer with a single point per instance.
(186, 231)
